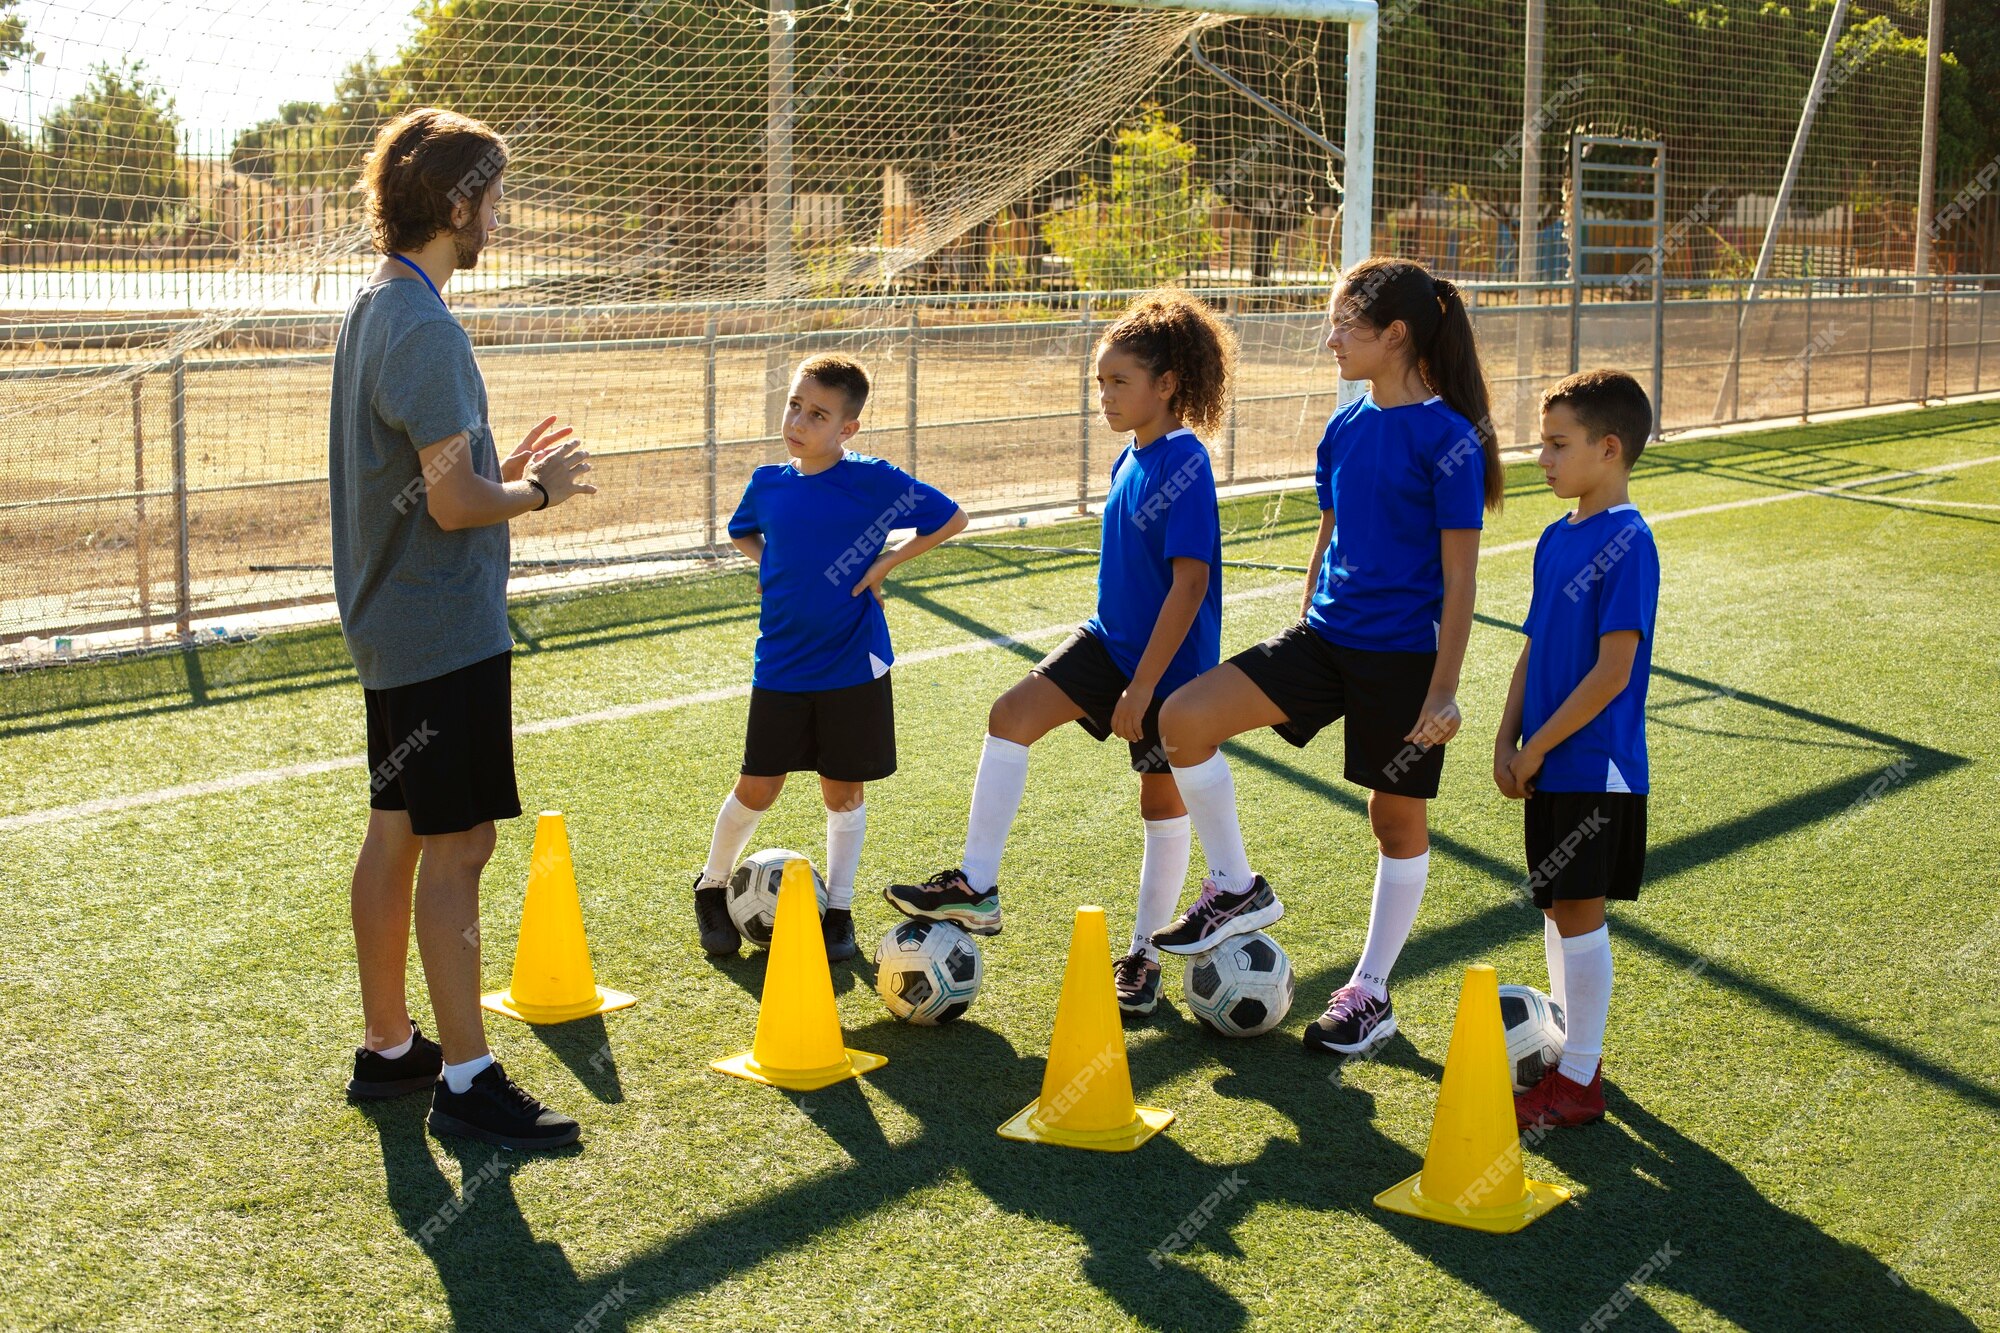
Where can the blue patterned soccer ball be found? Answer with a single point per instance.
(1535, 1027)
(753, 893)
(1242, 987)
(928, 972)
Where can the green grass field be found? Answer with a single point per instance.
(1800, 1067)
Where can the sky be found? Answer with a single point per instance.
(227, 63)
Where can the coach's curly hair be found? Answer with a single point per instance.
(1168, 329)
(423, 163)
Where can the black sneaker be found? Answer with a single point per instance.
(1355, 1023)
(412, 1071)
(1216, 916)
(946, 896)
(495, 1110)
(837, 929)
(1137, 978)
(711, 913)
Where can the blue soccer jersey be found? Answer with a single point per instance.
(821, 532)
(1591, 579)
(1161, 506)
(1394, 478)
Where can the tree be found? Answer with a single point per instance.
(1151, 225)
(112, 153)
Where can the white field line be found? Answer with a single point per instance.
(264, 777)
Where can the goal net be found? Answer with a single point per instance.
(960, 192)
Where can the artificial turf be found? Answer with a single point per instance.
(1799, 1067)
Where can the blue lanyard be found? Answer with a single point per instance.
(425, 276)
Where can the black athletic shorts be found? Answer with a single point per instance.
(1081, 667)
(443, 748)
(1585, 844)
(848, 734)
(1380, 694)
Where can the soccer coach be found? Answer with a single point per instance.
(420, 505)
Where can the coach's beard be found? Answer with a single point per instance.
(466, 244)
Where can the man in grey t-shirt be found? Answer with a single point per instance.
(420, 505)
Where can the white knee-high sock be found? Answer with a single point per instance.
(1587, 983)
(1209, 791)
(844, 831)
(734, 824)
(1162, 875)
(996, 799)
(1552, 950)
(1399, 889)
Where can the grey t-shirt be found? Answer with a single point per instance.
(415, 601)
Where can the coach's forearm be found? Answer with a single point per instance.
(478, 503)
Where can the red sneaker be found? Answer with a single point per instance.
(1557, 1101)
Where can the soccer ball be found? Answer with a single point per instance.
(1242, 987)
(1535, 1028)
(753, 893)
(927, 972)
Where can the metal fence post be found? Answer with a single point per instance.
(1868, 367)
(1229, 312)
(177, 414)
(910, 391)
(1979, 332)
(1736, 356)
(1085, 373)
(1805, 376)
(139, 508)
(1945, 349)
(708, 430)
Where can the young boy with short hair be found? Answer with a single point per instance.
(816, 528)
(1572, 741)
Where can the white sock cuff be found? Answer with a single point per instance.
(1586, 943)
(1402, 868)
(1005, 751)
(399, 1051)
(848, 819)
(1180, 826)
(733, 806)
(459, 1077)
(1203, 775)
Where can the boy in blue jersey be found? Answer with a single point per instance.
(817, 528)
(1162, 372)
(1572, 741)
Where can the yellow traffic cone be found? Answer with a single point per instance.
(1086, 1099)
(798, 1044)
(1472, 1170)
(553, 981)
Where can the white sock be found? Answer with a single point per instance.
(844, 832)
(1162, 875)
(1587, 982)
(734, 824)
(996, 799)
(398, 1052)
(1552, 949)
(1399, 888)
(1209, 791)
(459, 1077)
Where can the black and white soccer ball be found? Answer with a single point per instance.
(1535, 1028)
(928, 972)
(1242, 987)
(753, 893)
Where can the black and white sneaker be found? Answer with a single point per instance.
(947, 896)
(1356, 1021)
(415, 1070)
(837, 929)
(495, 1110)
(1216, 916)
(1137, 979)
(719, 935)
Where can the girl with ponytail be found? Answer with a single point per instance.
(1404, 473)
